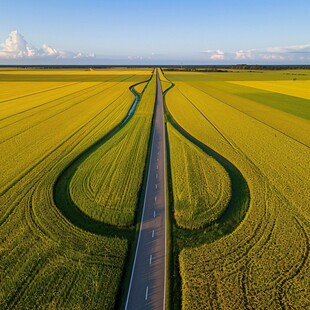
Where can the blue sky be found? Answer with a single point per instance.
(141, 32)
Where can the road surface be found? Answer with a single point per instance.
(147, 283)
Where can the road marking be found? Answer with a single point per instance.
(146, 292)
(153, 233)
(154, 213)
(156, 186)
(157, 167)
(156, 175)
(151, 259)
(155, 198)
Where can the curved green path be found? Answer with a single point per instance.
(62, 198)
(225, 224)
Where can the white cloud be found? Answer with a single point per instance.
(84, 55)
(135, 57)
(49, 51)
(218, 55)
(15, 46)
(208, 51)
(305, 48)
(241, 54)
(274, 57)
(215, 54)
(286, 54)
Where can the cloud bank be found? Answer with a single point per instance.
(290, 49)
(286, 54)
(16, 47)
(17, 50)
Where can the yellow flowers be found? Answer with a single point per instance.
(292, 87)
(106, 185)
(48, 118)
(264, 262)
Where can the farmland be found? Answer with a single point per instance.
(264, 262)
(201, 187)
(103, 186)
(52, 118)
(75, 159)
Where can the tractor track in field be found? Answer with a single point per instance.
(39, 92)
(62, 143)
(209, 121)
(78, 92)
(233, 145)
(225, 163)
(253, 117)
(50, 89)
(58, 98)
(30, 215)
(47, 155)
(63, 110)
(293, 272)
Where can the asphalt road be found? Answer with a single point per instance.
(147, 283)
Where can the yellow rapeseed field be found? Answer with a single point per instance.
(285, 114)
(264, 263)
(297, 88)
(106, 185)
(45, 261)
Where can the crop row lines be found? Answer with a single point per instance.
(251, 116)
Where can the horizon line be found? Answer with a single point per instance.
(152, 65)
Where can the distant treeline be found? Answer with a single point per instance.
(227, 68)
(86, 67)
(200, 68)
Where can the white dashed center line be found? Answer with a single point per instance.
(146, 292)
